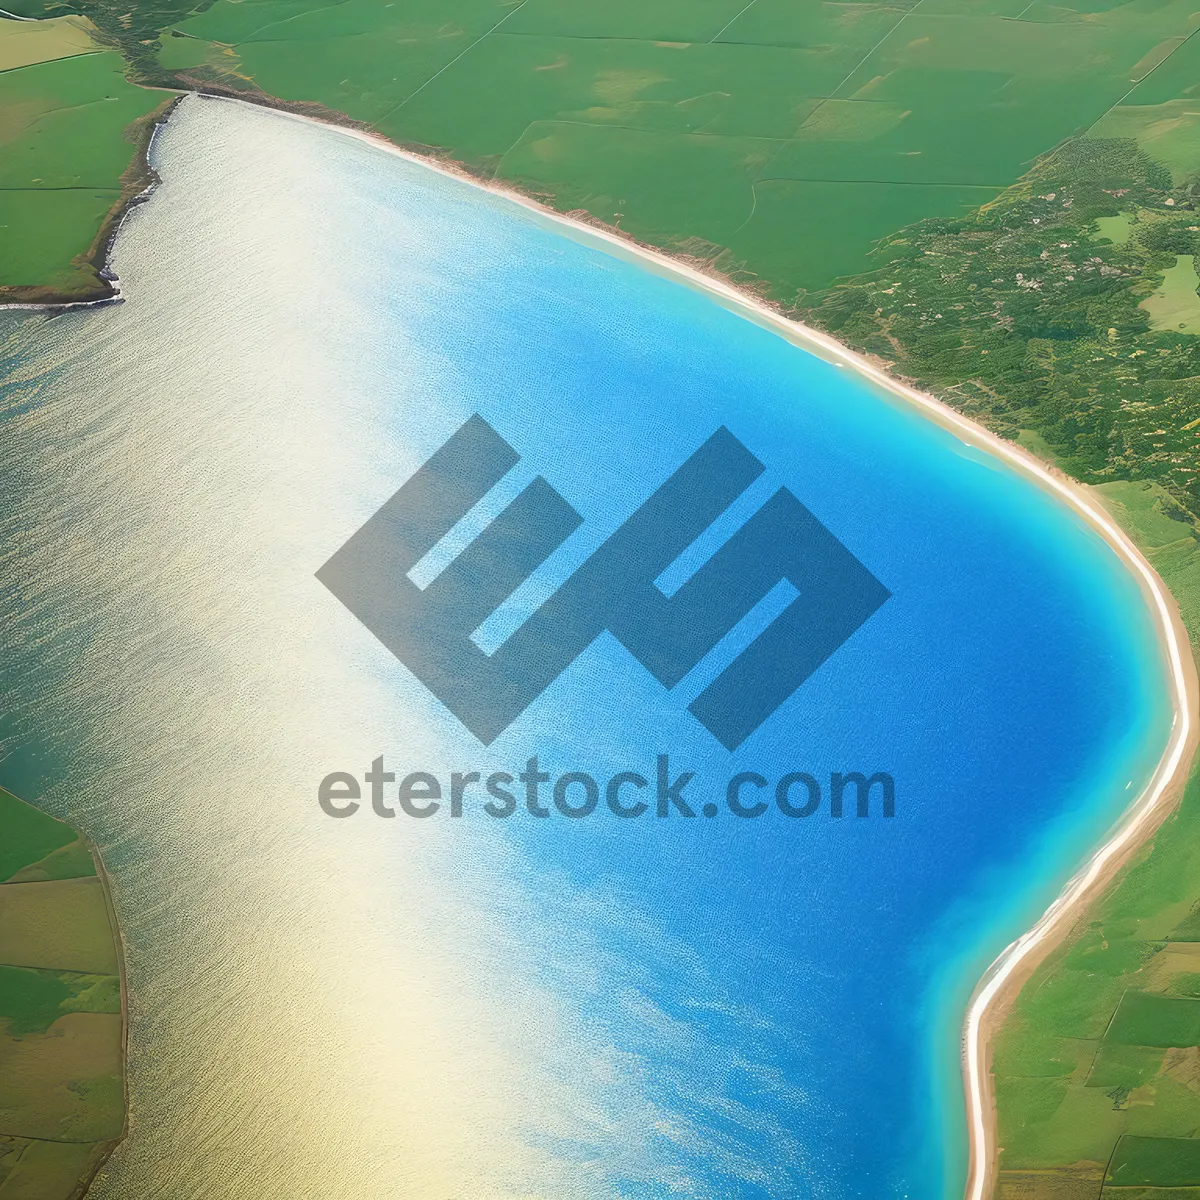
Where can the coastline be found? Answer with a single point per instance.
(1003, 979)
(1000, 984)
(119, 943)
(138, 182)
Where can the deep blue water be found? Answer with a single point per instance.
(785, 994)
(1011, 686)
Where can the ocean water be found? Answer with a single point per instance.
(483, 1008)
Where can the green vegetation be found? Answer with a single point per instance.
(1162, 114)
(72, 861)
(31, 1001)
(1115, 229)
(62, 924)
(1159, 1162)
(778, 140)
(42, 1170)
(1169, 540)
(1029, 315)
(29, 835)
(62, 1102)
(1176, 306)
(25, 44)
(1098, 1046)
(1143, 1019)
(1023, 316)
(65, 155)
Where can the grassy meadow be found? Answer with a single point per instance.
(780, 140)
(65, 106)
(62, 1103)
(1176, 305)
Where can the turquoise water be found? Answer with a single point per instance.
(712, 1007)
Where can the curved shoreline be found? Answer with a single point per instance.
(1004, 978)
(1006, 975)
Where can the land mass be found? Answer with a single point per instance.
(803, 152)
(62, 1023)
(779, 141)
(72, 158)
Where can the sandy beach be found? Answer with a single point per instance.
(1004, 978)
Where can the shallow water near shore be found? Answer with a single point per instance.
(352, 1009)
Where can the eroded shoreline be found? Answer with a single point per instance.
(138, 182)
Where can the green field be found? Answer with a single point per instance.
(779, 139)
(1176, 305)
(1115, 229)
(62, 1102)
(1163, 112)
(1158, 1162)
(64, 154)
(1171, 542)
(1144, 1019)
(1030, 316)
(26, 43)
